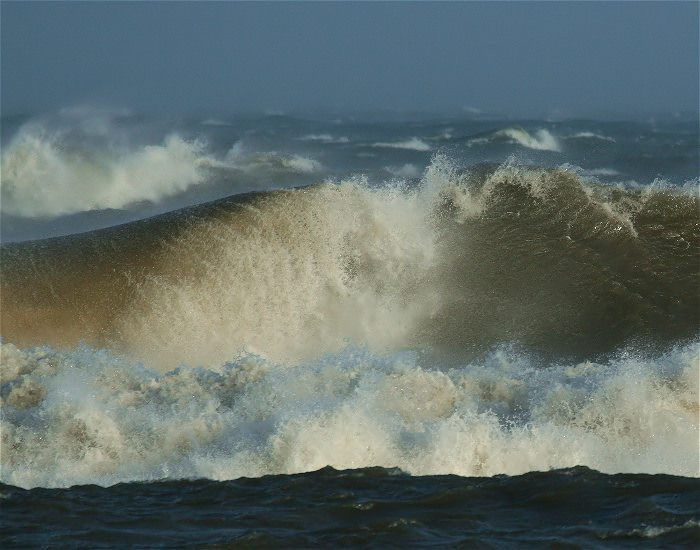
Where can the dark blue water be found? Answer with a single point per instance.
(373, 507)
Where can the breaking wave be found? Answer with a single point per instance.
(267, 162)
(497, 319)
(325, 138)
(50, 169)
(542, 140)
(591, 135)
(465, 261)
(215, 122)
(44, 175)
(413, 144)
(602, 172)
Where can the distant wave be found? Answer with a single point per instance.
(413, 144)
(214, 122)
(542, 140)
(592, 172)
(601, 172)
(42, 175)
(51, 169)
(591, 135)
(254, 162)
(325, 138)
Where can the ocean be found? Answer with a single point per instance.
(349, 330)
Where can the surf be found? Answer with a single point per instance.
(88, 416)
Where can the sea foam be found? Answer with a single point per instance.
(86, 416)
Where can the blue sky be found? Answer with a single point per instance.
(512, 58)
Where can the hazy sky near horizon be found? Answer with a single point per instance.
(511, 58)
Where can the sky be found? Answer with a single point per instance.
(512, 58)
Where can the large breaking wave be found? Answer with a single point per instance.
(466, 261)
(499, 319)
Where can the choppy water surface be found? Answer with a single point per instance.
(372, 506)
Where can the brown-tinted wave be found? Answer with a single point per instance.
(69, 290)
(467, 261)
(564, 267)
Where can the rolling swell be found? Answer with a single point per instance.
(468, 261)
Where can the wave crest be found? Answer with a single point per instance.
(542, 140)
(413, 144)
(54, 168)
(44, 175)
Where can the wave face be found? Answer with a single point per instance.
(519, 307)
(465, 262)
